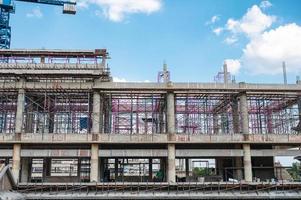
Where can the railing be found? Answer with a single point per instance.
(163, 189)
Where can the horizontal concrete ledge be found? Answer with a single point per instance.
(149, 153)
(221, 183)
(29, 138)
(198, 86)
(50, 66)
(192, 87)
(49, 72)
(207, 194)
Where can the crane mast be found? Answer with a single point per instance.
(7, 7)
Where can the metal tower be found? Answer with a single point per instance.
(7, 7)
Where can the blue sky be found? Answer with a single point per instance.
(194, 37)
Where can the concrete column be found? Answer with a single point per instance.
(94, 171)
(299, 108)
(46, 168)
(103, 62)
(29, 119)
(150, 170)
(96, 113)
(215, 123)
(25, 170)
(187, 168)
(244, 113)
(101, 114)
(16, 165)
(219, 164)
(235, 118)
(107, 115)
(225, 73)
(116, 169)
(247, 162)
(161, 118)
(298, 127)
(101, 169)
(238, 170)
(245, 130)
(79, 163)
(235, 115)
(170, 113)
(163, 168)
(171, 173)
(269, 122)
(171, 129)
(51, 104)
(20, 111)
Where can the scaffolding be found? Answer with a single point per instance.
(59, 111)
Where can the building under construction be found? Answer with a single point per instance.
(68, 132)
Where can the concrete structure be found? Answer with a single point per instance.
(68, 123)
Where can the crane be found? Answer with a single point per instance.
(7, 7)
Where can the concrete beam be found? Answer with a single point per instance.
(234, 88)
(152, 153)
(53, 72)
(57, 138)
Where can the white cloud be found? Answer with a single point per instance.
(35, 13)
(213, 20)
(218, 31)
(116, 10)
(82, 4)
(116, 79)
(123, 80)
(252, 23)
(267, 47)
(233, 65)
(265, 4)
(231, 40)
(265, 53)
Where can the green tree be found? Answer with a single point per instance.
(295, 171)
(201, 171)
